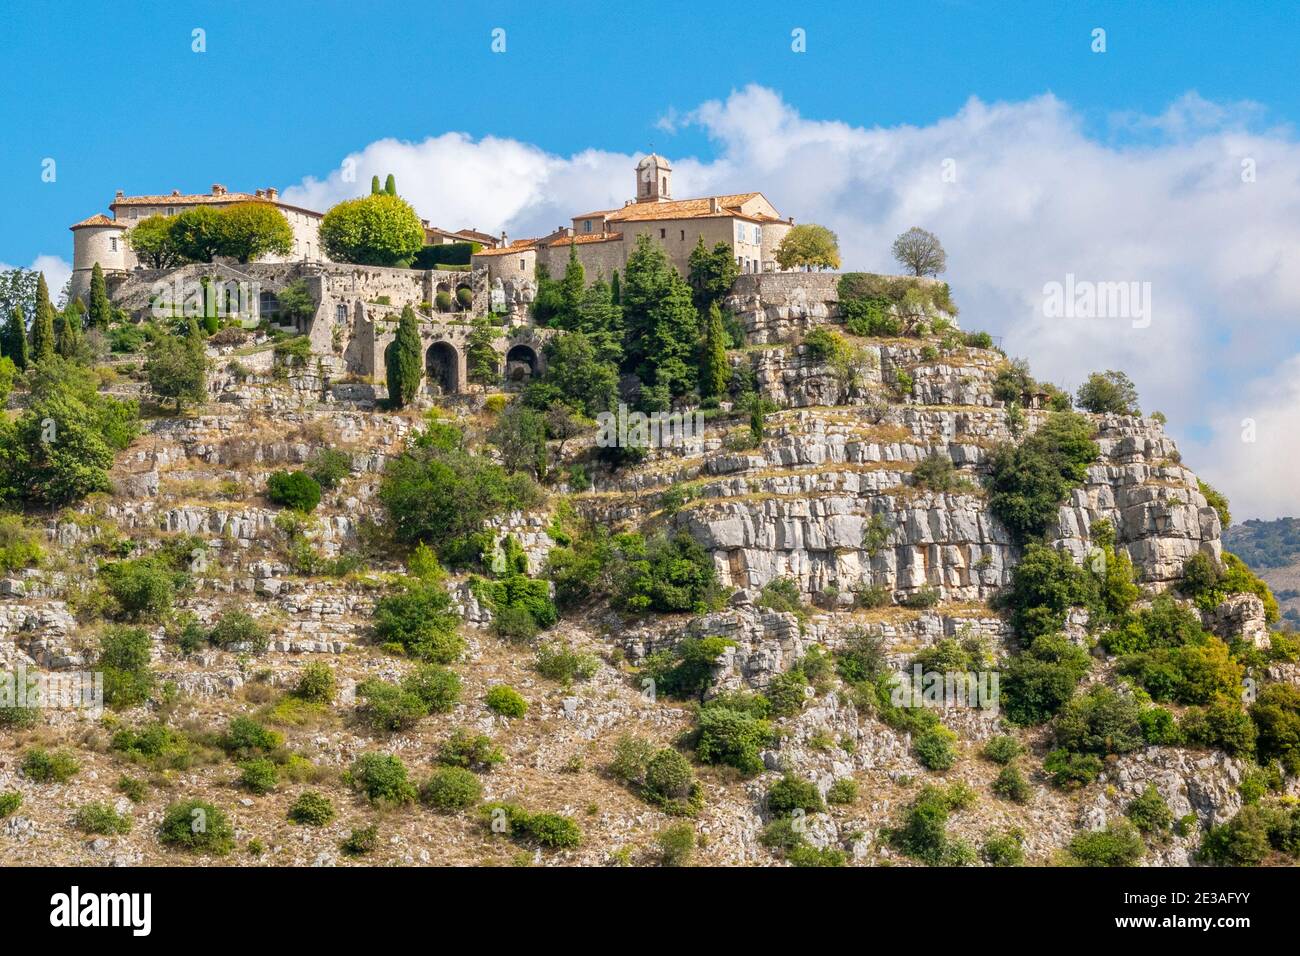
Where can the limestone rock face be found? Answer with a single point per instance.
(1241, 616)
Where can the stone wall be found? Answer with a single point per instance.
(774, 307)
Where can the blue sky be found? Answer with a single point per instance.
(1124, 165)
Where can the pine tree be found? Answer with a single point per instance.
(714, 370)
(615, 291)
(13, 339)
(43, 326)
(571, 288)
(67, 334)
(390, 185)
(101, 310)
(374, 185)
(402, 361)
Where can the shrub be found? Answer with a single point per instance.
(293, 489)
(1222, 724)
(451, 788)
(843, 791)
(1004, 849)
(197, 826)
(375, 230)
(1159, 727)
(631, 757)
(1149, 812)
(782, 594)
(239, 628)
(1002, 749)
(506, 701)
(1069, 770)
(676, 843)
(142, 588)
(124, 660)
(246, 737)
(329, 466)
(1038, 682)
(1242, 841)
(42, 766)
(1012, 785)
(259, 775)
(1117, 845)
(1102, 721)
(421, 621)
(663, 574)
(560, 662)
(934, 748)
(1191, 674)
(732, 737)
(361, 840)
(101, 819)
(670, 781)
(475, 751)
(19, 545)
(1029, 481)
(437, 687)
(311, 809)
(790, 793)
(1276, 715)
(924, 833)
(1108, 392)
(316, 684)
(787, 693)
(16, 716)
(687, 669)
(381, 777)
(548, 829)
(936, 472)
(132, 788)
(10, 801)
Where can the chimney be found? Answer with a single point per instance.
(503, 237)
(792, 220)
(271, 193)
(218, 189)
(176, 192)
(714, 205)
(118, 195)
(260, 194)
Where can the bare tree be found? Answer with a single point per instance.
(920, 252)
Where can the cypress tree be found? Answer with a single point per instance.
(374, 185)
(714, 370)
(43, 326)
(615, 291)
(390, 185)
(101, 310)
(402, 361)
(571, 288)
(67, 334)
(13, 340)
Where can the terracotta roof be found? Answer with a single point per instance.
(473, 234)
(728, 206)
(598, 214)
(197, 199)
(583, 238)
(519, 245)
(98, 219)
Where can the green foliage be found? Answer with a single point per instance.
(421, 620)
(732, 737)
(124, 661)
(663, 574)
(251, 230)
(133, 788)
(445, 254)
(581, 372)
(10, 801)
(1212, 584)
(43, 766)
(1002, 749)
(329, 467)
(246, 738)
(176, 369)
(376, 230)
(687, 669)
(13, 339)
(670, 782)
(259, 775)
(1194, 673)
(937, 473)
(506, 701)
(923, 834)
(197, 826)
(472, 751)
(558, 661)
(1119, 844)
(920, 252)
(1028, 482)
(715, 372)
(1249, 837)
(382, 778)
(808, 244)
(1276, 715)
(316, 684)
(1149, 812)
(1069, 770)
(1012, 785)
(934, 748)
(1037, 683)
(43, 342)
(1221, 724)
(1108, 392)
(451, 788)
(520, 436)
(1004, 849)
(791, 793)
(361, 840)
(311, 809)
(550, 830)
(1216, 500)
(402, 361)
(20, 544)
(154, 242)
(787, 692)
(237, 628)
(293, 489)
(663, 326)
(676, 843)
(1165, 624)
(1102, 721)
(843, 792)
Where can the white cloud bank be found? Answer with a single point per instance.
(57, 272)
(1035, 198)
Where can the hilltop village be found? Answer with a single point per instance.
(658, 540)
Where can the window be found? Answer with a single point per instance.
(758, 235)
(586, 225)
(341, 312)
(683, 235)
(112, 243)
(521, 265)
(740, 232)
(171, 210)
(663, 233)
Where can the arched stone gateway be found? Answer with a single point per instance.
(521, 363)
(441, 368)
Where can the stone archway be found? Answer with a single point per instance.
(442, 368)
(521, 363)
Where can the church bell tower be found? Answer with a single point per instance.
(654, 179)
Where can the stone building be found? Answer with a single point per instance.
(603, 239)
(105, 239)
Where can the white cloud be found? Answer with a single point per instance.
(57, 272)
(1035, 198)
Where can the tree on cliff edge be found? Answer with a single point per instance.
(920, 252)
(809, 245)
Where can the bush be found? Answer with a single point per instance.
(686, 670)
(924, 833)
(1029, 481)
(388, 706)
(124, 660)
(506, 701)
(1002, 749)
(1222, 724)
(1191, 674)
(420, 620)
(311, 809)
(41, 766)
(787, 693)
(1242, 841)
(1038, 682)
(10, 801)
(1117, 845)
(1069, 770)
(790, 793)
(259, 775)
(549, 829)
(732, 737)
(329, 466)
(142, 588)
(374, 230)
(560, 662)
(101, 819)
(1149, 812)
(934, 748)
(1276, 715)
(1005, 849)
(842, 792)
(132, 788)
(293, 489)
(361, 840)
(936, 472)
(663, 574)
(1012, 785)
(1108, 392)
(238, 628)
(246, 737)
(19, 545)
(14, 716)
(676, 843)
(1102, 721)
(382, 778)
(474, 751)
(197, 826)
(437, 687)
(316, 684)
(451, 788)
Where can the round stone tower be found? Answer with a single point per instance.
(97, 239)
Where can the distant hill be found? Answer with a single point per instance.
(1272, 549)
